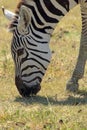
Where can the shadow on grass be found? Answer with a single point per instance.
(79, 99)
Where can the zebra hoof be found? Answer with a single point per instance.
(72, 87)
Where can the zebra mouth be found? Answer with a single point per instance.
(26, 91)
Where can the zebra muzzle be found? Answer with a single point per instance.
(24, 90)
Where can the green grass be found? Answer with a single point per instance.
(53, 108)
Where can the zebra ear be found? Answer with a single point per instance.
(24, 19)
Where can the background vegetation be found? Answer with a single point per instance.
(53, 108)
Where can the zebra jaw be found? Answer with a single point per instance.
(8, 14)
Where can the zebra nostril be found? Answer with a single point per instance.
(18, 81)
(21, 87)
(19, 84)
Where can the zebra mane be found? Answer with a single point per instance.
(14, 21)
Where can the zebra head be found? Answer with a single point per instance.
(30, 51)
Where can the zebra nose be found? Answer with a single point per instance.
(24, 90)
(19, 84)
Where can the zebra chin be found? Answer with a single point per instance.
(24, 90)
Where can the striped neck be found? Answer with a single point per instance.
(45, 14)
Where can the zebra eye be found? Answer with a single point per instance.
(20, 51)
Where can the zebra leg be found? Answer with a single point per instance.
(78, 73)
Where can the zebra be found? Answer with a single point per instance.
(32, 26)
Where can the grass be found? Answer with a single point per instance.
(53, 108)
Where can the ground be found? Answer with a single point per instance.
(53, 108)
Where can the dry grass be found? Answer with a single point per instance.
(53, 108)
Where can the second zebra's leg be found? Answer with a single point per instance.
(78, 72)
